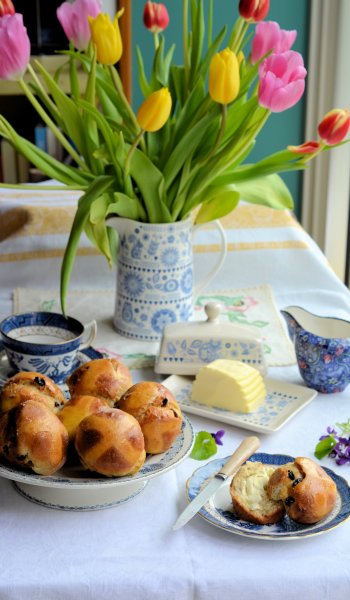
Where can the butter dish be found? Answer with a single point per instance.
(186, 347)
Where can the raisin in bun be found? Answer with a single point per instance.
(110, 442)
(33, 437)
(76, 409)
(28, 385)
(308, 493)
(106, 378)
(249, 497)
(157, 411)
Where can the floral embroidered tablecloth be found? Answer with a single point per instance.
(253, 307)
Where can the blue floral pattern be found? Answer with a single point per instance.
(155, 278)
(324, 363)
(199, 351)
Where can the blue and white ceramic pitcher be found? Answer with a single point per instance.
(155, 275)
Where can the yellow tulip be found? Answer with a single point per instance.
(106, 37)
(155, 110)
(224, 77)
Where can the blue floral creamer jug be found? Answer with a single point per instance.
(155, 275)
(322, 347)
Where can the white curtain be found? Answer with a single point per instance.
(326, 184)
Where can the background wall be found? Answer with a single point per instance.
(281, 129)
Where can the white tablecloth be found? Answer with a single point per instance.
(131, 551)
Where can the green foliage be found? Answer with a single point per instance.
(161, 176)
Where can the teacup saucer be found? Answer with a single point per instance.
(83, 356)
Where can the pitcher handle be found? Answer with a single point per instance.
(223, 242)
(92, 325)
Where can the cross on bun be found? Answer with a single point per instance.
(106, 378)
(33, 437)
(157, 411)
(76, 409)
(30, 385)
(110, 442)
(308, 493)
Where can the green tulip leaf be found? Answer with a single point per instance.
(71, 118)
(124, 206)
(144, 85)
(52, 167)
(221, 202)
(267, 191)
(150, 182)
(98, 187)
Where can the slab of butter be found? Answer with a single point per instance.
(229, 384)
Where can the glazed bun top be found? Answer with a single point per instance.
(145, 394)
(308, 492)
(110, 442)
(33, 437)
(30, 385)
(106, 378)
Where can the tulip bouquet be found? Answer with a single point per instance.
(186, 148)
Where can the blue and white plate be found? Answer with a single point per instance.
(73, 488)
(218, 510)
(283, 401)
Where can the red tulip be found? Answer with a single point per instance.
(334, 126)
(6, 8)
(155, 16)
(254, 10)
(306, 148)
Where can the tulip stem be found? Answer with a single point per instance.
(119, 87)
(131, 152)
(43, 91)
(156, 40)
(185, 41)
(210, 23)
(50, 123)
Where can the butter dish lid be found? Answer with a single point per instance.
(187, 346)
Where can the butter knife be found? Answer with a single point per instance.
(243, 452)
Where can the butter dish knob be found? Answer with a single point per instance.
(213, 310)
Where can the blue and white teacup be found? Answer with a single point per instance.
(45, 342)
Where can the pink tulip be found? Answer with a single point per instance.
(334, 126)
(74, 20)
(15, 47)
(282, 81)
(269, 36)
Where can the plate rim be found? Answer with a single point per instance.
(305, 397)
(206, 515)
(60, 482)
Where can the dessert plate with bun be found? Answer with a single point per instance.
(272, 497)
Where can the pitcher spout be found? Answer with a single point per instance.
(292, 323)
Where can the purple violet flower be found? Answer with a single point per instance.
(218, 437)
(341, 451)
